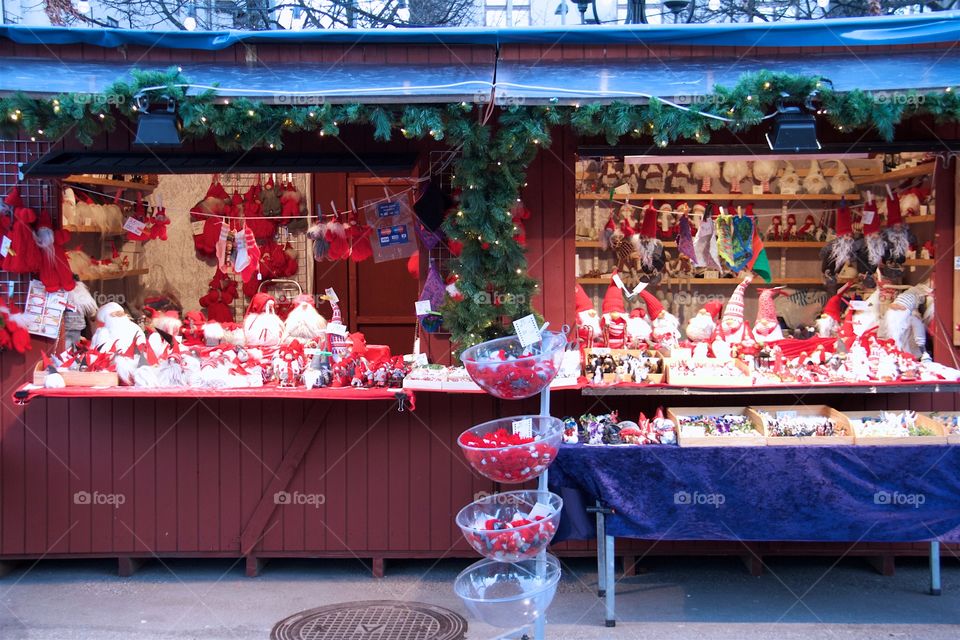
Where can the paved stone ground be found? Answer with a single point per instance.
(674, 599)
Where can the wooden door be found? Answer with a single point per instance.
(382, 295)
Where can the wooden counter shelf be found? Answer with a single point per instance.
(118, 275)
(106, 182)
(768, 244)
(925, 169)
(716, 281)
(804, 389)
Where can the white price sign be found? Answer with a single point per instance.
(527, 330)
(331, 294)
(135, 226)
(523, 428)
(337, 329)
(423, 307)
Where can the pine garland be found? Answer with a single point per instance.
(491, 168)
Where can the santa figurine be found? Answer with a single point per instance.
(588, 322)
(790, 232)
(809, 229)
(902, 322)
(700, 327)
(304, 322)
(120, 335)
(828, 324)
(775, 232)
(732, 330)
(614, 322)
(767, 327)
(192, 330)
(262, 327)
(666, 326)
(638, 329)
(288, 363)
(165, 329)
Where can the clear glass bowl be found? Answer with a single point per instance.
(513, 464)
(531, 370)
(508, 595)
(508, 543)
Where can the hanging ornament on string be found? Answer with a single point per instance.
(872, 250)
(705, 242)
(317, 233)
(897, 235)
(742, 239)
(840, 250)
(519, 214)
(725, 237)
(270, 199)
(360, 232)
(261, 226)
(433, 290)
(685, 233)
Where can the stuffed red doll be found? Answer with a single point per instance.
(55, 273)
(24, 254)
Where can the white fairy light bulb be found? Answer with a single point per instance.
(823, 4)
(714, 5)
(190, 23)
(83, 6)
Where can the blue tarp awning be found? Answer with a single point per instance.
(532, 81)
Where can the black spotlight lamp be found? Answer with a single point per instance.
(159, 128)
(794, 129)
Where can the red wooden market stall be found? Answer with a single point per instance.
(259, 472)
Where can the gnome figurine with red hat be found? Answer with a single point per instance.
(767, 327)
(897, 235)
(902, 322)
(648, 247)
(732, 329)
(871, 252)
(262, 327)
(700, 327)
(638, 329)
(828, 324)
(304, 322)
(841, 249)
(666, 326)
(614, 322)
(588, 322)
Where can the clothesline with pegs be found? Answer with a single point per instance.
(766, 214)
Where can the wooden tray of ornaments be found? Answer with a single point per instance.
(843, 425)
(716, 441)
(78, 378)
(952, 438)
(654, 377)
(683, 379)
(939, 437)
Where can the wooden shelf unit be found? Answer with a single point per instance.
(89, 229)
(918, 219)
(118, 275)
(896, 175)
(106, 182)
(719, 197)
(920, 262)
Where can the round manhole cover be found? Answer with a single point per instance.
(372, 620)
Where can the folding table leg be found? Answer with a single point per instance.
(610, 587)
(934, 567)
(601, 553)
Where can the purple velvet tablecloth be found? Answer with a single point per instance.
(783, 493)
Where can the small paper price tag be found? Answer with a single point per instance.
(758, 189)
(617, 281)
(859, 305)
(423, 307)
(421, 360)
(637, 289)
(600, 351)
(527, 330)
(331, 294)
(197, 227)
(337, 329)
(956, 262)
(134, 226)
(540, 510)
(868, 215)
(523, 428)
(786, 414)
(5, 246)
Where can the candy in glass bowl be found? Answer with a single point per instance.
(511, 526)
(511, 454)
(507, 370)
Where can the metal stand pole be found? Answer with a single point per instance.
(601, 552)
(934, 567)
(540, 626)
(610, 587)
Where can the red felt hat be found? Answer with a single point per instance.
(844, 223)
(654, 306)
(613, 299)
(259, 302)
(834, 307)
(13, 198)
(581, 299)
(648, 228)
(874, 226)
(714, 307)
(894, 216)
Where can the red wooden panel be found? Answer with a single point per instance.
(168, 414)
(418, 54)
(510, 52)
(186, 468)
(123, 482)
(294, 516)
(362, 471)
(145, 474)
(228, 434)
(399, 484)
(437, 489)
(101, 475)
(251, 455)
(638, 51)
(57, 487)
(331, 472)
(80, 479)
(375, 440)
(419, 480)
(33, 481)
(272, 444)
(209, 499)
(375, 54)
(440, 55)
(945, 184)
